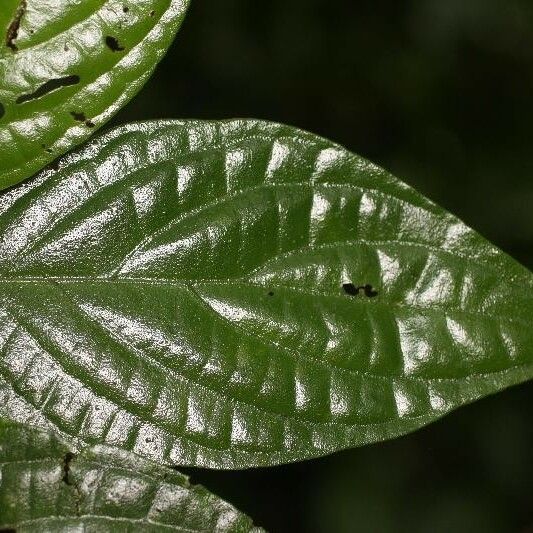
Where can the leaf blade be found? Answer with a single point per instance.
(188, 278)
(45, 486)
(69, 67)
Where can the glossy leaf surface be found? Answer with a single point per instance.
(67, 66)
(241, 293)
(45, 487)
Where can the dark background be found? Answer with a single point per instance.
(440, 92)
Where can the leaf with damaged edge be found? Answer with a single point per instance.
(44, 486)
(67, 66)
(242, 293)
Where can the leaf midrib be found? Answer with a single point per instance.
(113, 519)
(190, 285)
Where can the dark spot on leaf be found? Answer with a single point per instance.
(46, 149)
(271, 293)
(13, 28)
(370, 292)
(113, 44)
(54, 165)
(80, 117)
(125, 9)
(352, 290)
(2, 110)
(152, 13)
(48, 87)
(66, 48)
(66, 468)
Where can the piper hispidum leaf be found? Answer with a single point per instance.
(67, 66)
(45, 487)
(242, 293)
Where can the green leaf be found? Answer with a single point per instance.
(67, 66)
(46, 487)
(242, 293)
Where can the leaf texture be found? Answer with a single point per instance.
(241, 293)
(45, 487)
(67, 66)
